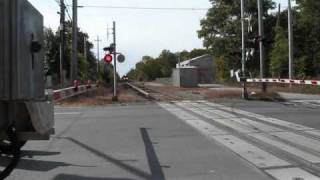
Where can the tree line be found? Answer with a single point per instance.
(87, 66)
(150, 68)
(221, 35)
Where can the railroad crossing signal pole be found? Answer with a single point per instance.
(74, 61)
(62, 40)
(115, 94)
(261, 43)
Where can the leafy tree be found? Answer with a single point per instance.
(221, 30)
(307, 36)
(87, 66)
(51, 46)
(300, 67)
(279, 54)
(222, 70)
(150, 68)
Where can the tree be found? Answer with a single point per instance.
(150, 68)
(87, 66)
(279, 54)
(51, 50)
(307, 36)
(221, 30)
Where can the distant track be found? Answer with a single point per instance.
(153, 94)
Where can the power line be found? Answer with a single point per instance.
(144, 8)
(67, 10)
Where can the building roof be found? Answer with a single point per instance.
(200, 58)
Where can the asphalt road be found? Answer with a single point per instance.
(186, 140)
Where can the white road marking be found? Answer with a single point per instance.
(251, 153)
(290, 149)
(254, 125)
(315, 133)
(222, 120)
(257, 125)
(206, 128)
(63, 108)
(291, 174)
(67, 113)
(239, 124)
(179, 113)
(299, 140)
(263, 118)
(307, 102)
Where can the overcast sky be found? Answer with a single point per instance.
(139, 32)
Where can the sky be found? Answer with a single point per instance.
(139, 32)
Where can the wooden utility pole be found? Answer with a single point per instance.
(62, 41)
(74, 63)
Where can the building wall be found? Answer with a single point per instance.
(185, 77)
(205, 66)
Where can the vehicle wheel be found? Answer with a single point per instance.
(10, 149)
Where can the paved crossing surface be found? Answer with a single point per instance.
(284, 147)
(180, 140)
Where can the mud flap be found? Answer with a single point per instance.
(42, 116)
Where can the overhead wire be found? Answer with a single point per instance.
(68, 13)
(143, 8)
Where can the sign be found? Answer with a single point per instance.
(121, 58)
(108, 58)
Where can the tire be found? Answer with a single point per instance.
(6, 146)
(12, 149)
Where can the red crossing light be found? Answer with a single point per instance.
(108, 58)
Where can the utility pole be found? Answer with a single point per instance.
(85, 54)
(74, 63)
(290, 35)
(115, 94)
(279, 12)
(243, 51)
(261, 43)
(85, 47)
(98, 40)
(62, 40)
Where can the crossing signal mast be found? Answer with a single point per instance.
(111, 50)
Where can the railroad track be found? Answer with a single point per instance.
(153, 94)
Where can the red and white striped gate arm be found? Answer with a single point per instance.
(286, 81)
(62, 94)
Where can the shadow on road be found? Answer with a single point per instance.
(37, 165)
(32, 153)
(76, 177)
(119, 163)
(153, 161)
